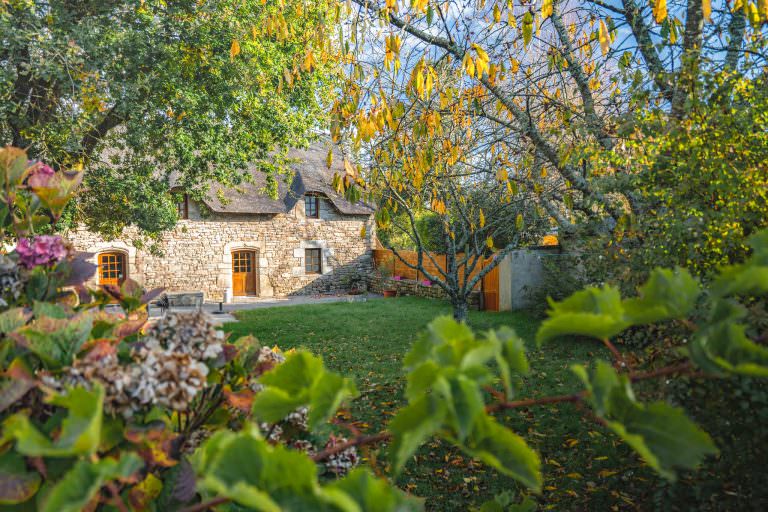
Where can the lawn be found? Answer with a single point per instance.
(585, 467)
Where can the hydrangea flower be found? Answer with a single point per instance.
(40, 176)
(44, 250)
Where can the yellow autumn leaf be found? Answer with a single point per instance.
(234, 50)
(329, 159)
(546, 9)
(659, 10)
(481, 54)
(420, 5)
(496, 13)
(706, 9)
(754, 15)
(482, 219)
(489, 242)
(602, 35)
(469, 65)
(519, 221)
(363, 231)
(762, 7)
(502, 174)
(309, 61)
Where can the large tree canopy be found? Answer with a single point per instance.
(551, 85)
(134, 90)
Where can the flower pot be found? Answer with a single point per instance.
(390, 293)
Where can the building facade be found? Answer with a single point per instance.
(241, 243)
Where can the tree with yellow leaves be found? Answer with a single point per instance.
(554, 82)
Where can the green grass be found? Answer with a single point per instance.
(584, 466)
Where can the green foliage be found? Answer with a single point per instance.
(81, 483)
(80, 429)
(700, 185)
(301, 381)
(447, 368)
(243, 467)
(601, 313)
(135, 91)
(660, 433)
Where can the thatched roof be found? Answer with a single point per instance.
(311, 174)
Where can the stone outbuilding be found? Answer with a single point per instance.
(239, 242)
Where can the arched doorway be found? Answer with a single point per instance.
(113, 268)
(245, 273)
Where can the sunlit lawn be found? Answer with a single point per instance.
(367, 340)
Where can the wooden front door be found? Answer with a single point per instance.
(112, 268)
(245, 276)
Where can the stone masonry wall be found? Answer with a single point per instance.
(197, 253)
(415, 288)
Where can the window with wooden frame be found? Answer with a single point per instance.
(313, 261)
(112, 268)
(312, 206)
(183, 206)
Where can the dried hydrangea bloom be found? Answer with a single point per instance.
(11, 281)
(43, 250)
(166, 378)
(267, 359)
(167, 369)
(187, 333)
(272, 433)
(340, 463)
(303, 445)
(116, 379)
(299, 418)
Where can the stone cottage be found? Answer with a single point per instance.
(241, 243)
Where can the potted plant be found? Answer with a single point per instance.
(355, 284)
(384, 272)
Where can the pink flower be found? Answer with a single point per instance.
(40, 175)
(44, 250)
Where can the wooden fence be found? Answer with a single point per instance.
(488, 285)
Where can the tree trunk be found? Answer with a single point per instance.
(460, 309)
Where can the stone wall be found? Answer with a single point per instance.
(410, 287)
(197, 253)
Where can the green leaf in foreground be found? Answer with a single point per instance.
(666, 295)
(725, 348)
(301, 380)
(596, 312)
(412, 426)
(660, 433)
(505, 451)
(372, 494)
(80, 430)
(83, 481)
(251, 472)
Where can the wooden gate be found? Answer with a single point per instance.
(245, 276)
(489, 285)
(491, 290)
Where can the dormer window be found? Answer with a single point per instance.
(183, 206)
(312, 206)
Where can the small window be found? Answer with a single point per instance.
(183, 207)
(312, 206)
(312, 261)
